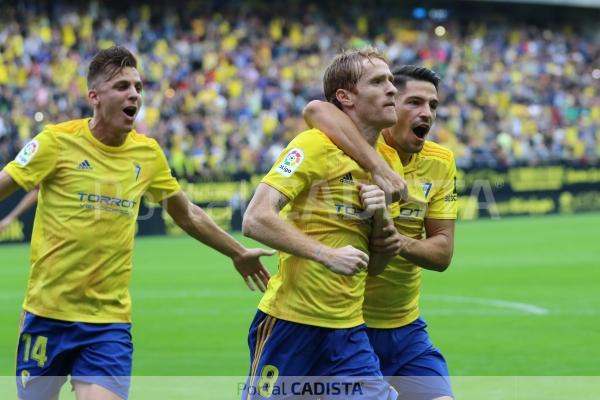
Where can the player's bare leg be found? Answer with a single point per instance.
(50, 398)
(90, 391)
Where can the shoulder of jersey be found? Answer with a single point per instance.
(143, 139)
(385, 148)
(67, 127)
(73, 126)
(313, 136)
(433, 150)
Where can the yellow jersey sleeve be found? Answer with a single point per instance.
(35, 161)
(300, 163)
(163, 184)
(443, 204)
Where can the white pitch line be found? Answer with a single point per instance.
(524, 307)
(217, 293)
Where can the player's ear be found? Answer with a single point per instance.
(343, 96)
(93, 97)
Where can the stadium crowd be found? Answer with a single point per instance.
(225, 85)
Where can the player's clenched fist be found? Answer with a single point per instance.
(372, 198)
(390, 243)
(345, 260)
(391, 183)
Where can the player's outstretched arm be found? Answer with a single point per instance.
(7, 185)
(25, 204)
(263, 223)
(341, 130)
(433, 253)
(193, 220)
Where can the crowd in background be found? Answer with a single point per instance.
(224, 88)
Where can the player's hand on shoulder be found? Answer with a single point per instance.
(392, 184)
(345, 260)
(391, 243)
(372, 198)
(251, 269)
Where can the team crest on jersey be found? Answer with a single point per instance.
(426, 188)
(27, 152)
(291, 162)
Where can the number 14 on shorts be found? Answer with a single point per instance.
(37, 352)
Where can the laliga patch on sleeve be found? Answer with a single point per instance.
(27, 153)
(291, 162)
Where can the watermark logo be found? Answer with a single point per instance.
(287, 386)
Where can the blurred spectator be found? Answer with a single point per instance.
(226, 82)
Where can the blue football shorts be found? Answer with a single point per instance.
(297, 361)
(410, 362)
(51, 349)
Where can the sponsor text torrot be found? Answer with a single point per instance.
(106, 203)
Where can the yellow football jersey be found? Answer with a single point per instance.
(392, 298)
(84, 226)
(321, 183)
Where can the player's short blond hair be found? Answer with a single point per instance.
(345, 70)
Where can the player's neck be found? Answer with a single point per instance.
(370, 133)
(404, 157)
(389, 139)
(104, 135)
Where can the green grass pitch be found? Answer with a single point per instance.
(521, 298)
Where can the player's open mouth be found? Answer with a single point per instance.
(130, 111)
(421, 130)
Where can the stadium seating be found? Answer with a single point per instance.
(225, 85)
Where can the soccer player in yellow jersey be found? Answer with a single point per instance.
(92, 174)
(424, 236)
(309, 321)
